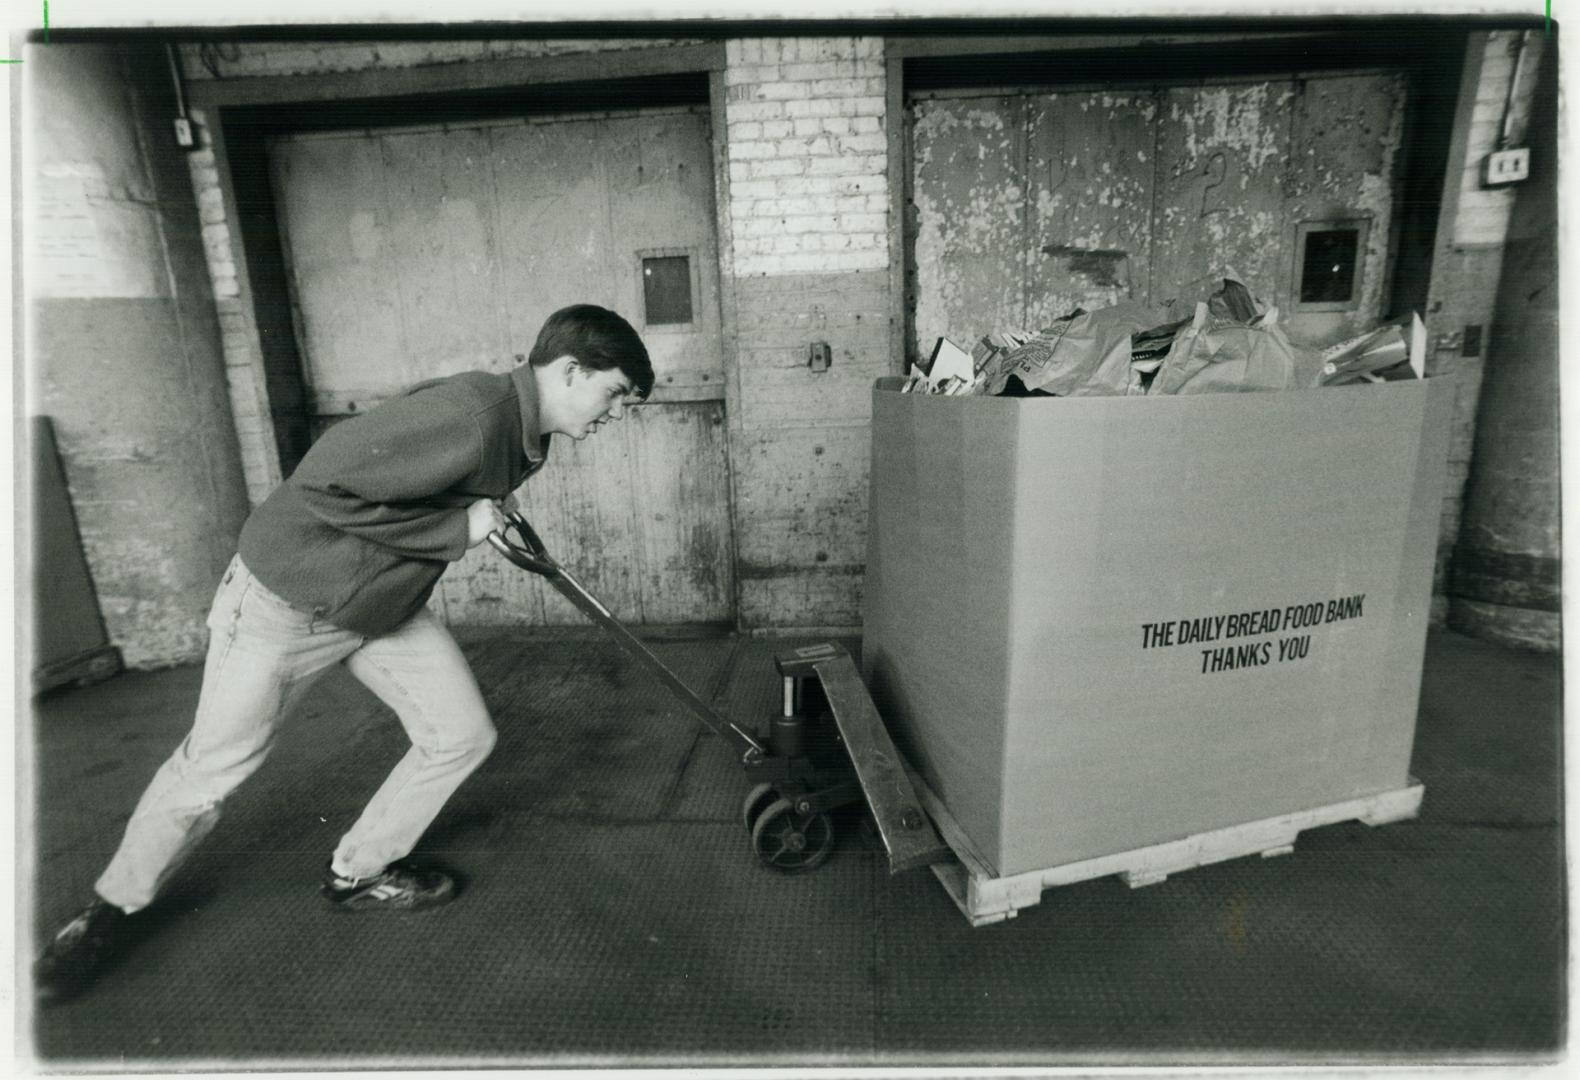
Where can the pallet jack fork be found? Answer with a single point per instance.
(826, 749)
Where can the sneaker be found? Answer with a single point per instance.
(398, 887)
(79, 952)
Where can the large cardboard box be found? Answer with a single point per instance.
(1096, 624)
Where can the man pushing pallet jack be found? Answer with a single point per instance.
(337, 565)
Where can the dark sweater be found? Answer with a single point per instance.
(367, 523)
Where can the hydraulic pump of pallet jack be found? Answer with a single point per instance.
(827, 749)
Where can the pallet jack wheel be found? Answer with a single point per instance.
(758, 799)
(789, 841)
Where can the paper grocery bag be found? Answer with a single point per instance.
(1213, 356)
(1085, 354)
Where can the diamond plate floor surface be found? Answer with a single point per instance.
(612, 912)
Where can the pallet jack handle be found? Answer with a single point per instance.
(526, 550)
(896, 808)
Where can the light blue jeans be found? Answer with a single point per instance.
(261, 652)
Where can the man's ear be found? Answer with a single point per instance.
(571, 368)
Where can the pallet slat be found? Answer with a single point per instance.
(985, 898)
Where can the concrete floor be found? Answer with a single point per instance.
(613, 914)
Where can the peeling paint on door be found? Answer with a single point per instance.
(1349, 131)
(1030, 204)
(1244, 120)
(1221, 196)
(1089, 159)
(970, 208)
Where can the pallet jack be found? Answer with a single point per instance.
(826, 749)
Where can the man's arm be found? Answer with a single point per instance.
(376, 476)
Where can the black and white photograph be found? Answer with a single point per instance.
(849, 540)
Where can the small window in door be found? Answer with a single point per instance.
(666, 289)
(1330, 256)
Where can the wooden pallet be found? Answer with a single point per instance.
(986, 898)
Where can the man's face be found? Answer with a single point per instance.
(592, 399)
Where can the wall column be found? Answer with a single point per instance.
(1504, 580)
(809, 245)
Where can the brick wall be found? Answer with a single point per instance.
(808, 248)
(808, 155)
(244, 374)
(1483, 213)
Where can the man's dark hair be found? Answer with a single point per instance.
(598, 339)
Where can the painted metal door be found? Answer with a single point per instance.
(419, 252)
(1030, 204)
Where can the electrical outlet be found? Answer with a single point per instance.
(1508, 166)
(183, 131)
(819, 356)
